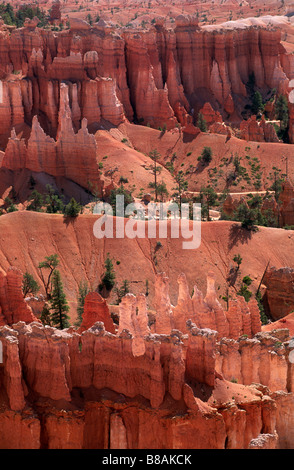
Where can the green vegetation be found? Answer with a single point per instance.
(181, 187)
(155, 169)
(238, 260)
(206, 155)
(208, 199)
(17, 17)
(282, 111)
(201, 123)
(36, 201)
(128, 199)
(29, 285)
(72, 209)
(257, 103)
(52, 201)
(247, 216)
(58, 303)
(82, 293)
(244, 291)
(11, 207)
(49, 264)
(122, 291)
(282, 114)
(108, 280)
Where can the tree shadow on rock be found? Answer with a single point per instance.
(69, 220)
(238, 234)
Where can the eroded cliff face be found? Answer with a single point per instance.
(137, 387)
(157, 76)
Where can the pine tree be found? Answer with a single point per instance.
(206, 155)
(122, 291)
(29, 285)
(209, 199)
(72, 209)
(53, 202)
(108, 280)
(51, 262)
(46, 316)
(83, 291)
(282, 112)
(154, 155)
(247, 217)
(257, 103)
(36, 201)
(182, 186)
(201, 123)
(58, 303)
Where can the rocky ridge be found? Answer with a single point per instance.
(59, 88)
(164, 383)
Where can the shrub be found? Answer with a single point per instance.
(108, 279)
(72, 209)
(29, 285)
(206, 155)
(201, 123)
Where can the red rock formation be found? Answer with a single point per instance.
(210, 115)
(55, 13)
(255, 131)
(71, 155)
(13, 306)
(57, 367)
(96, 310)
(279, 292)
(287, 207)
(113, 74)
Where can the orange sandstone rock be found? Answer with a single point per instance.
(96, 310)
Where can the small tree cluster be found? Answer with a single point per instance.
(82, 293)
(108, 280)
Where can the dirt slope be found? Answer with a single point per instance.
(188, 149)
(27, 237)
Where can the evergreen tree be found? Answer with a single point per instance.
(154, 155)
(182, 186)
(51, 262)
(108, 280)
(46, 316)
(29, 285)
(247, 217)
(282, 112)
(244, 291)
(238, 260)
(206, 155)
(263, 317)
(128, 199)
(72, 209)
(10, 206)
(122, 291)
(53, 202)
(58, 303)
(277, 180)
(208, 200)
(37, 201)
(162, 190)
(83, 291)
(257, 103)
(201, 123)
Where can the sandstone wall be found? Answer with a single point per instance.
(134, 388)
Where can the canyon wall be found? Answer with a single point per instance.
(148, 385)
(155, 76)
